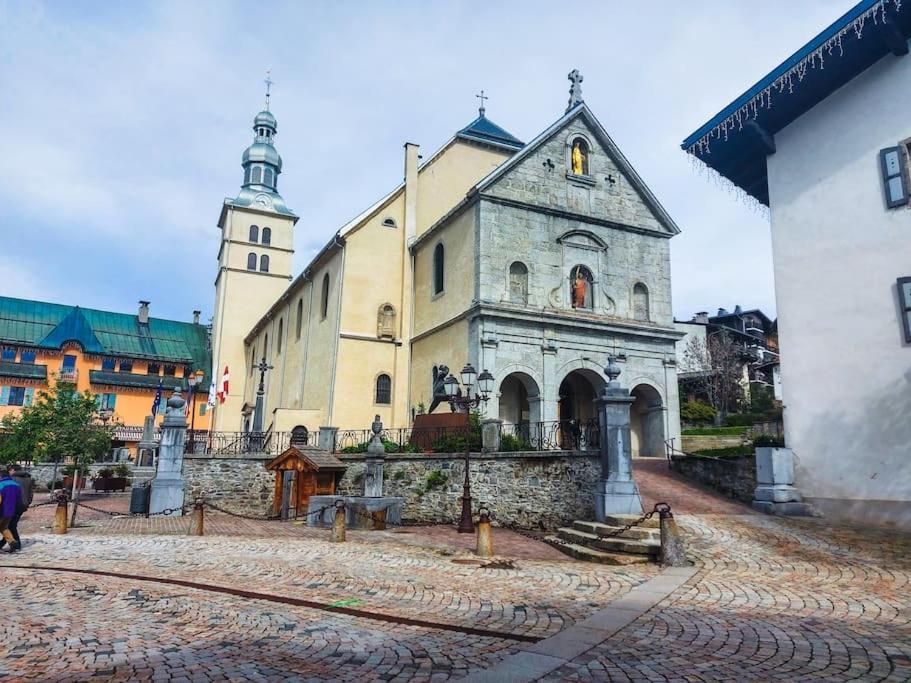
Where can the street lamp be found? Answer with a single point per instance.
(458, 401)
(192, 381)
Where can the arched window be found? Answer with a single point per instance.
(281, 336)
(257, 175)
(267, 235)
(579, 157)
(385, 322)
(518, 283)
(251, 261)
(252, 361)
(265, 348)
(389, 222)
(439, 265)
(324, 300)
(580, 287)
(264, 263)
(640, 302)
(269, 177)
(246, 175)
(300, 319)
(254, 233)
(383, 390)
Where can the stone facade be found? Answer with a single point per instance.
(551, 221)
(528, 489)
(734, 477)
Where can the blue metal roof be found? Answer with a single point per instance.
(484, 130)
(855, 41)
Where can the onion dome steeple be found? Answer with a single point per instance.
(262, 164)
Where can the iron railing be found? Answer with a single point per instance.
(560, 435)
(412, 440)
(241, 443)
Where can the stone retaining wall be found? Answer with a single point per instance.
(734, 477)
(529, 489)
(239, 484)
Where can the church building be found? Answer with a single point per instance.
(535, 261)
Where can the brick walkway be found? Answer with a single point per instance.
(658, 484)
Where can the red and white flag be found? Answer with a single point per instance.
(223, 389)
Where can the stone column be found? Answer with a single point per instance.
(327, 437)
(168, 484)
(145, 451)
(490, 435)
(775, 491)
(376, 456)
(617, 492)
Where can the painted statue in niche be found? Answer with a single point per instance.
(581, 288)
(579, 157)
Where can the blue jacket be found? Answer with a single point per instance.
(10, 492)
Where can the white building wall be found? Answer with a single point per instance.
(845, 370)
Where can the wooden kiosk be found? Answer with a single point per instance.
(300, 472)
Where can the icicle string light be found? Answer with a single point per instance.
(791, 78)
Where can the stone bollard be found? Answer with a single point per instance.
(485, 534)
(197, 528)
(60, 515)
(338, 524)
(672, 552)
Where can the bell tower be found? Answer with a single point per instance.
(254, 264)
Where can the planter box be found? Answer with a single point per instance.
(68, 482)
(110, 484)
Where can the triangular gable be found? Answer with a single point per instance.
(74, 327)
(624, 166)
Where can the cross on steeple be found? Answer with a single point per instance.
(575, 90)
(482, 97)
(269, 82)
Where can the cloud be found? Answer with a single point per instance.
(126, 121)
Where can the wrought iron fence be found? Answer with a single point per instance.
(560, 435)
(242, 443)
(412, 440)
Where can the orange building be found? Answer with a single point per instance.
(120, 358)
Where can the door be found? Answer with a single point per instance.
(306, 487)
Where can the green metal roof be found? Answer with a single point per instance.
(23, 370)
(139, 381)
(44, 325)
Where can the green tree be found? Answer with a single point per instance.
(61, 425)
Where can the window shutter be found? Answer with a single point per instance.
(4, 396)
(894, 181)
(29, 396)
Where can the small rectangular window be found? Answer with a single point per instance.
(170, 371)
(27, 357)
(894, 181)
(107, 364)
(154, 368)
(16, 396)
(203, 407)
(126, 366)
(8, 354)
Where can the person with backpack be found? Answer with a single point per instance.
(10, 496)
(27, 488)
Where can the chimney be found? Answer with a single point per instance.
(722, 312)
(701, 317)
(196, 317)
(144, 312)
(737, 310)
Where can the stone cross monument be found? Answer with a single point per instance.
(617, 492)
(147, 445)
(167, 486)
(376, 456)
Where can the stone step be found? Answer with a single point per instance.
(575, 536)
(625, 545)
(623, 520)
(580, 552)
(637, 532)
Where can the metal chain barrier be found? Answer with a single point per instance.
(259, 518)
(165, 512)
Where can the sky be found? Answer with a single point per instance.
(125, 123)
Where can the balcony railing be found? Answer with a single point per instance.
(68, 375)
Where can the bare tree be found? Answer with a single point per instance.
(716, 364)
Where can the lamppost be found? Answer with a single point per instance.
(192, 381)
(463, 403)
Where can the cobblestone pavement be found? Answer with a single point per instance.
(774, 599)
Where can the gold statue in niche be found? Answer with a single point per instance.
(580, 158)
